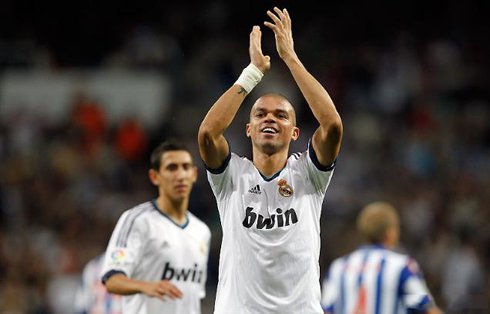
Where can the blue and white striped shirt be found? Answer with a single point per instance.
(373, 279)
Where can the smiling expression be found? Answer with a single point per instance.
(272, 124)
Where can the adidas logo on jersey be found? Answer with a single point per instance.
(282, 219)
(189, 274)
(255, 190)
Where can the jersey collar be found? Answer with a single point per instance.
(182, 226)
(268, 179)
(372, 246)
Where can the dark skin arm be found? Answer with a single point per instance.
(212, 144)
(327, 138)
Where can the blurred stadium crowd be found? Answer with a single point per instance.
(413, 94)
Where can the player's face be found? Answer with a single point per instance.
(272, 124)
(176, 176)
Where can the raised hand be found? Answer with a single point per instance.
(282, 31)
(256, 56)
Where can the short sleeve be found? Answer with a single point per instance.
(414, 292)
(125, 246)
(319, 175)
(222, 180)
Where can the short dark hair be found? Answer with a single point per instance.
(280, 97)
(171, 144)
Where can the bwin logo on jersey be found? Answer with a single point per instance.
(289, 217)
(189, 274)
(255, 190)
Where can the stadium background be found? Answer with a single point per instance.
(87, 89)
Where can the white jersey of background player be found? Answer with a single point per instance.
(374, 279)
(92, 296)
(270, 208)
(157, 256)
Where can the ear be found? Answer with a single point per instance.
(248, 130)
(295, 133)
(153, 175)
(194, 174)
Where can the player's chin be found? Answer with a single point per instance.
(270, 147)
(178, 197)
(182, 191)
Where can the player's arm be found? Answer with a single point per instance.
(123, 253)
(120, 284)
(327, 138)
(416, 296)
(212, 144)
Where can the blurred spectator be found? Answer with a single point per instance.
(131, 140)
(463, 277)
(88, 116)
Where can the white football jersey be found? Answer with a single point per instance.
(375, 280)
(148, 245)
(271, 235)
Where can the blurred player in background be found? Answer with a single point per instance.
(92, 296)
(158, 253)
(270, 208)
(374, 279)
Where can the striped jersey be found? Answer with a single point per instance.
(92, 296)
(148, 245)
(373, 279)
(271, 235)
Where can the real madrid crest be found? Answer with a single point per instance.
(284, 188)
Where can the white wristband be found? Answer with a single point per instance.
(250, 77)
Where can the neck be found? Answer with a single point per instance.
(388, 244)
(267, 164)
(174, 209)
